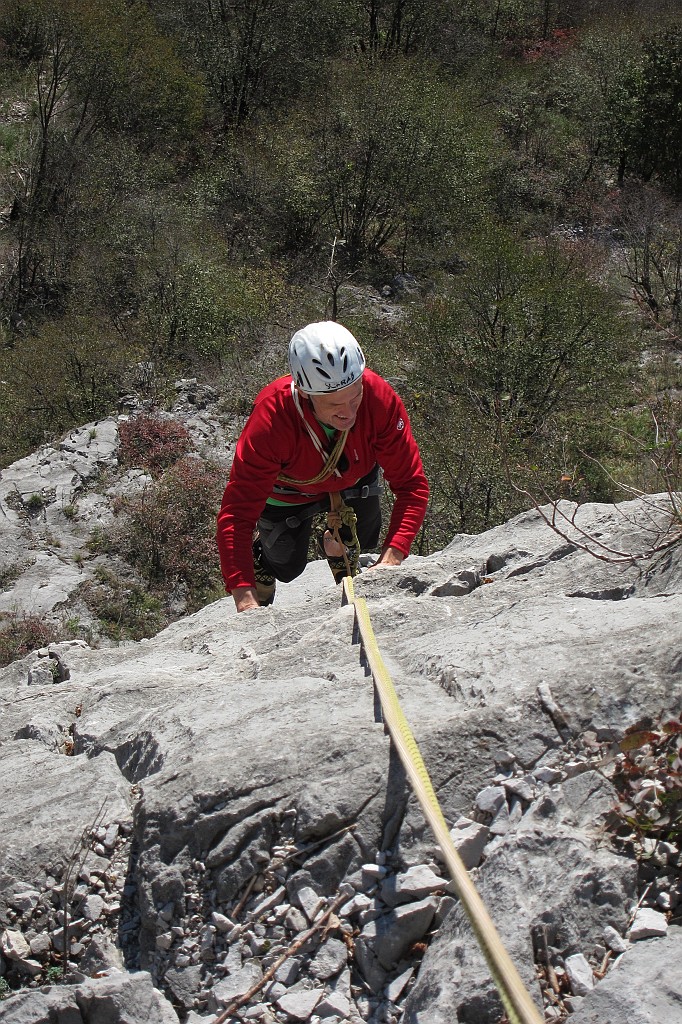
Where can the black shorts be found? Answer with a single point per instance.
(284, 531)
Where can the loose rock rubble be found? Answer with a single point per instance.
(282, 951)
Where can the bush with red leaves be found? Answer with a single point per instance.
(169, 532)
(21, 634)
(152, 443)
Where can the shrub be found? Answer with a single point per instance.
(170, 529)
(124, 610)
(21, 634)
(152, 443)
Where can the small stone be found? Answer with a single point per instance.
(372, 873)
(395, 988)
(295, 921)
(550, 776)
(335, 1004)
(470, 839)
(265, 904)
(222, 923)
(521, 787)
(445, 905)
(14, 946)
(299, 1005)
(287, 973)
(309, 902)
(580, 974)
(164, 941)
(500, 824)
(110, 836)
(356, 904)
(329, 960)
(24, 902)
(647, 923)
(392, 935)
(92, 908)
(222, 994)
(491, 799)
(41, 944)
(414, 884)
(614, 940)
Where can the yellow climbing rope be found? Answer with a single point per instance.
(330, 464)
(515, 997)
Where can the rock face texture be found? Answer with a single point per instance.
(53, 500)
(229, 778)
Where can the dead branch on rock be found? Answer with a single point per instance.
(662, 526)
(563, 522)
(289, 952)
(74, 866)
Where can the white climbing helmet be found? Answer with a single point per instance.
(325, 357)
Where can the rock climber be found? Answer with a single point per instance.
(318, 441)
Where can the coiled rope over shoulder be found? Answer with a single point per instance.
(515, 997)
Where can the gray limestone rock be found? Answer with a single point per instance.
(118, 998)
(643, 987)
(329, 960)
(299, 1005)
(235, 985)
(414, 884)
(391, 935)
(206, 753)
(647, 923)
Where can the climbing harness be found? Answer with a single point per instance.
(517, 1001)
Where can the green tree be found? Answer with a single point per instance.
(94, 69)
(513, 371)
(61, 374)
(652, 126)
(382, 160)
(526, 333)
(257, 55)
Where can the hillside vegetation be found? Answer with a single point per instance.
(487, 193)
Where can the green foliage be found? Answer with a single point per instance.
(257, 56)
(34, 505)
(648, 116)
(153, 443)
(116, 68)
(62, 374)
(20, 634)
(124, 609)
(169, 531)
(379, 163)
(513, 367)
(524, 333)
(95, 69)
(651, 448)
(5, 989)
(206, 309)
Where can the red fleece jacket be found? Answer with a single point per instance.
(275, 440)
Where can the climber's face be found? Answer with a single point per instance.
(340, 408)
